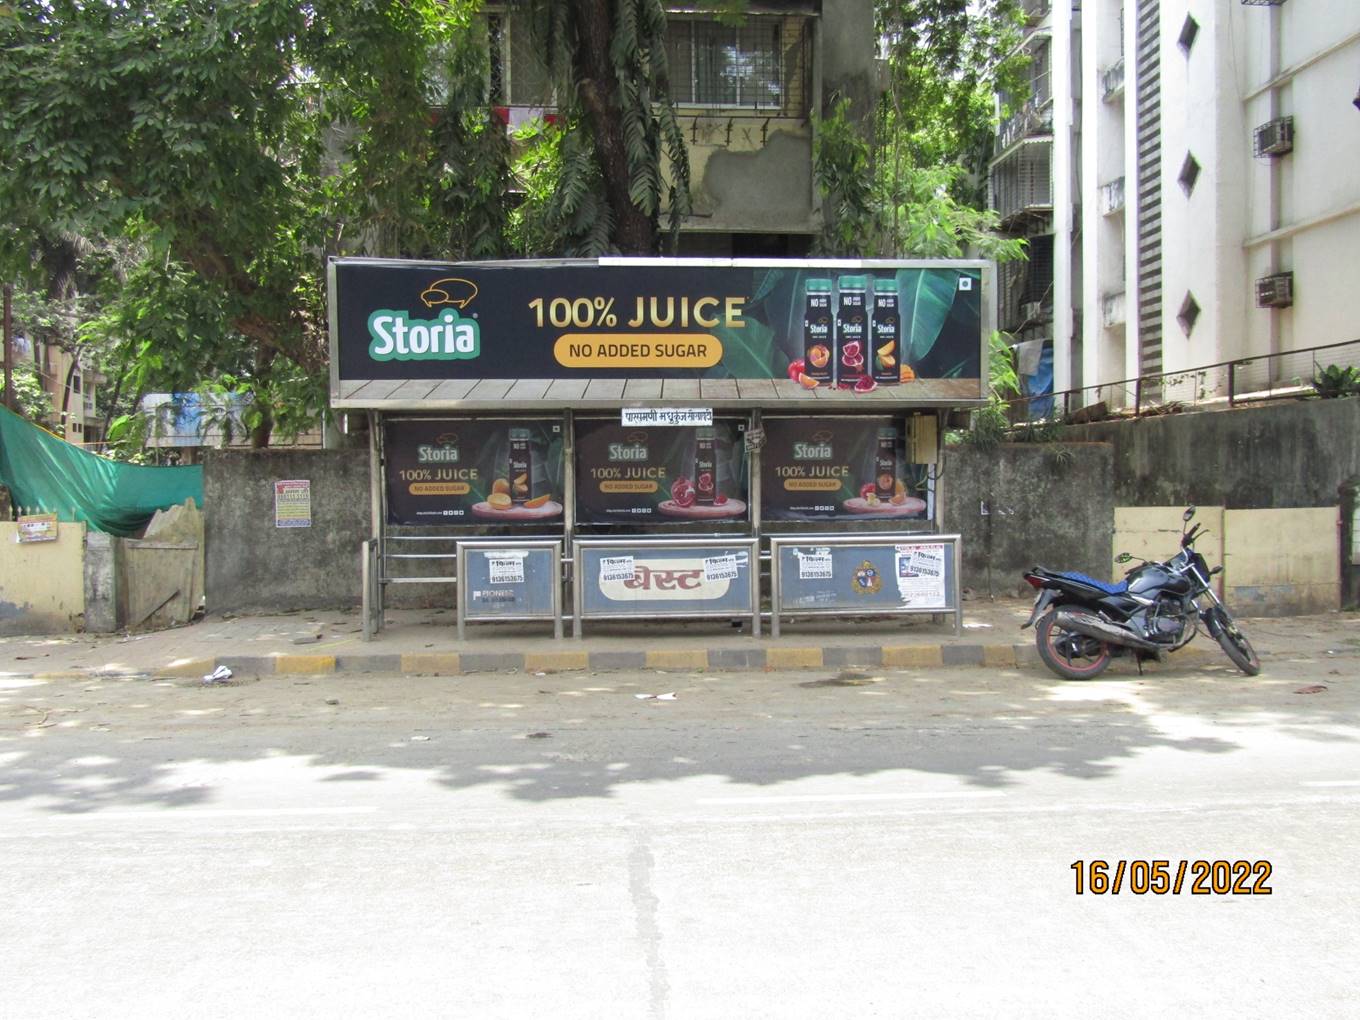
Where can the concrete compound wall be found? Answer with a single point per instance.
(42, 584)
(251, 564)
(1276, 456)
(1015, 506)
(1021, 505)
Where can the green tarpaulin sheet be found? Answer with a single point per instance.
(52, 476)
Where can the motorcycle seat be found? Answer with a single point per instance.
(1108, 588)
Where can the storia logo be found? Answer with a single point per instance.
(397, 335)
(818, 449)
(635, 448)
(444, 450)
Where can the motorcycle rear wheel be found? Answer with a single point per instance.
(1236, 646)
(1071, 655)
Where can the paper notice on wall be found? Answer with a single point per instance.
(616, 568)
(293, 503)
(505, 567)
(720, 568)
(814, 565)
(920, 575)
(37, 528)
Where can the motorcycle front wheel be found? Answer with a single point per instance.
(1235, 644)
(1071, 655)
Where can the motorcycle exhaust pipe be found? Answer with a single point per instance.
(1094, 627)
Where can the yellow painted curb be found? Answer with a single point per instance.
(543, 662)
(677, 658)
(304, 664)
(431, 662)
(793, 658)
(912, 655)
(998, 656)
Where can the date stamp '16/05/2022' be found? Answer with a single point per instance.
(1162, 877)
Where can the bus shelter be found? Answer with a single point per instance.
(648, 439)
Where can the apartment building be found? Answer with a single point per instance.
(745, 94)
(1185, 171)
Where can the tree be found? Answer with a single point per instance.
(213, 133)
(918, 189)
(607, 59)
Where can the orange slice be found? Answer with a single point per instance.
(538, 501)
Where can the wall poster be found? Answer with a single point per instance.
(473, 471)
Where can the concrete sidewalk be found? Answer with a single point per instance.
(425, 642)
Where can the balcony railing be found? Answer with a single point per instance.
(1112, 197)
(1022, 181)
(1032, 119)
(1112, 80)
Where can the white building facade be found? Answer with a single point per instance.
(1205, 193)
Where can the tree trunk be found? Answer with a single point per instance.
(634, 232)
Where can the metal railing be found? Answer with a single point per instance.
(1226, 383)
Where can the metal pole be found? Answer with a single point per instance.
(10, 402)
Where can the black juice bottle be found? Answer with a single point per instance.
(851, 332)
(885, 464)
(521, 472)
(886, 329)
(705, 468)
(818, 336)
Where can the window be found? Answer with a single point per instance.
(519, 73)
(75, 384)
(1188, 32)
(1189, 174)
(720, 65)
(1188, 314)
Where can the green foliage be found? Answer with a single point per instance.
(917, 191)
(840, 164)
(30, 399)
(991, 423)
(607, 61)
(1337, 381)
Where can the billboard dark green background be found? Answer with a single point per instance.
(940, 310)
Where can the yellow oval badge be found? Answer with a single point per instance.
(637, 350)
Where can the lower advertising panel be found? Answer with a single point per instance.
(510, 580)
(657, 578)
(468, 471)
(825, 575)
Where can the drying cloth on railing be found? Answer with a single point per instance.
(49, 475)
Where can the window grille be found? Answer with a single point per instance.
(726, 65)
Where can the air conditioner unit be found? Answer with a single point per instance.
(1275, 137)
(1275, 291)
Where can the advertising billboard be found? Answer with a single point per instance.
(821, 469)
(654, 476)
(473, 471)
(825, 329)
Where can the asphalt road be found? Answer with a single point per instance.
(773, 845)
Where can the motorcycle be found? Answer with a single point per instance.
(1083, 623)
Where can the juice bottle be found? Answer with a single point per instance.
(885, 464)
(851, 330)
(818, 342)
(521, 473)
(705, 467)
(885, 327)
